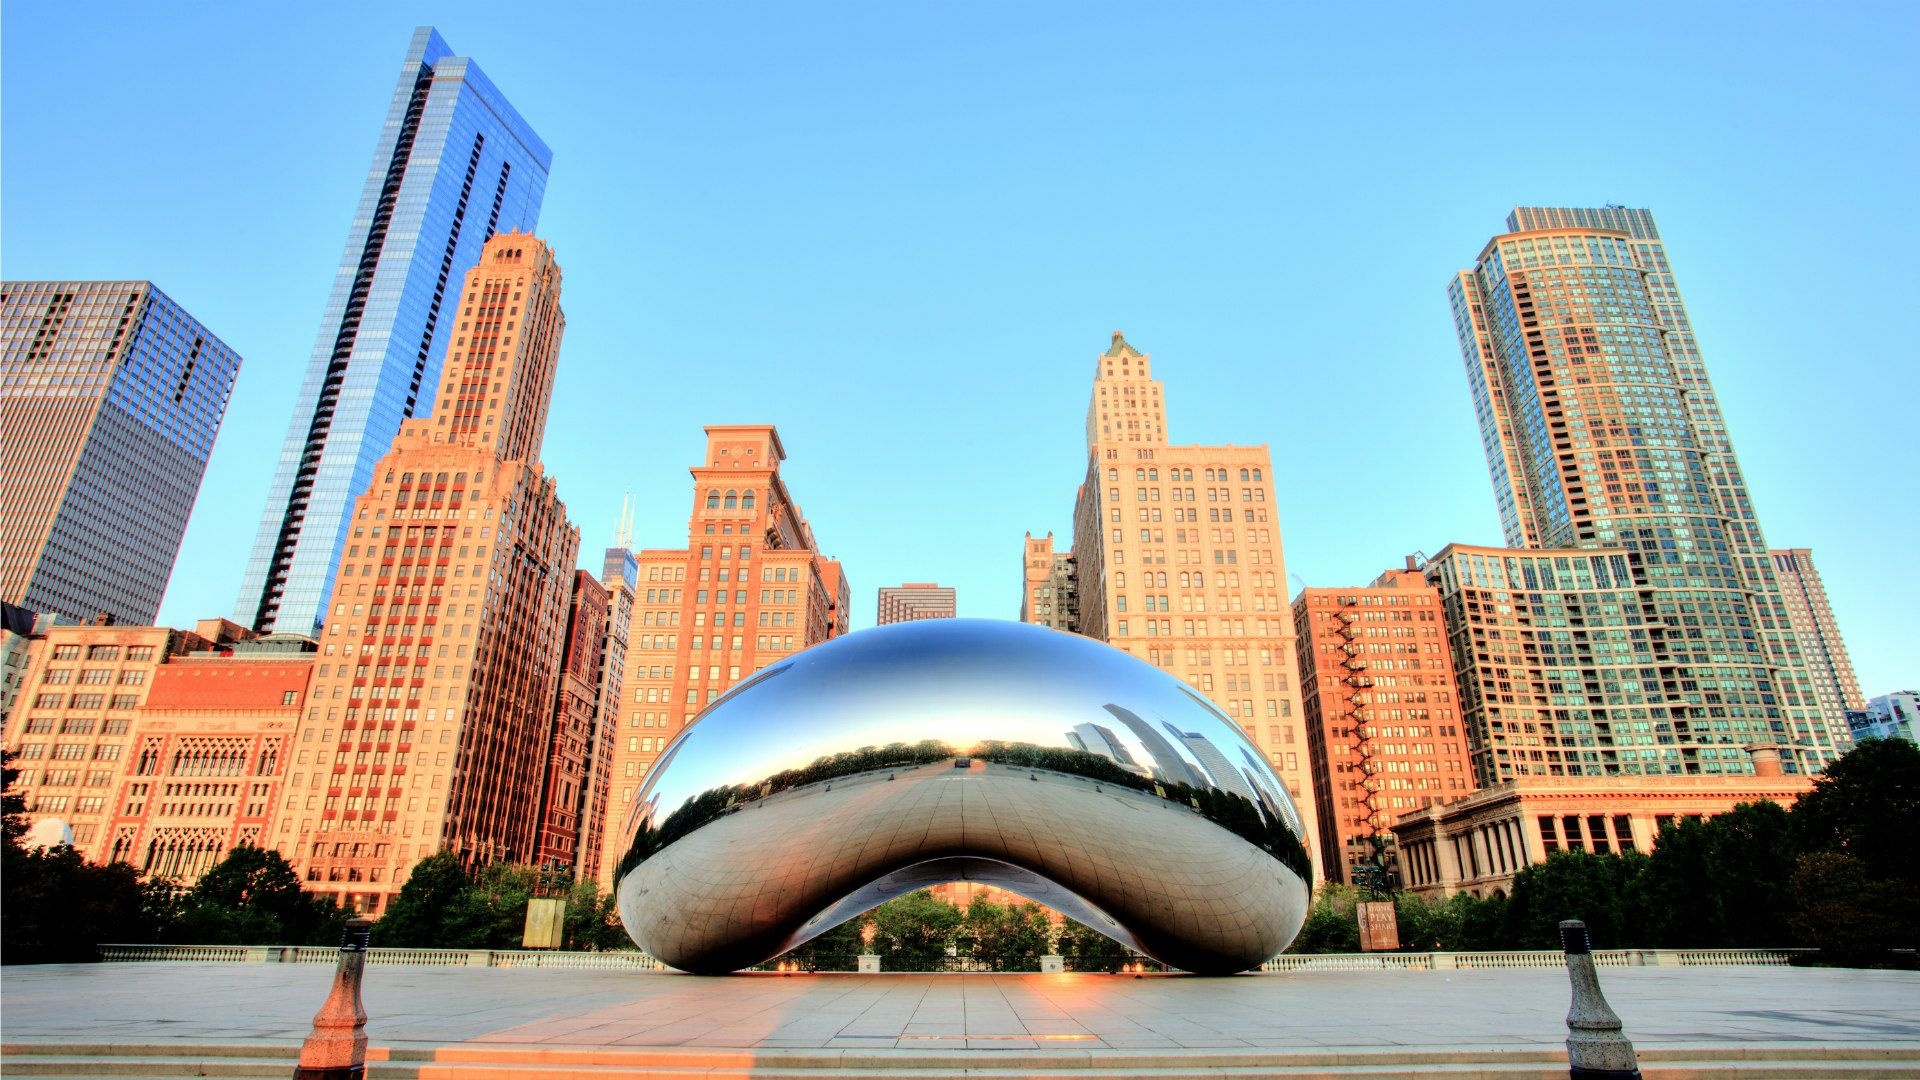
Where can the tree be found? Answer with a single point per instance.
(59, 908)
(1867, 806)
(1011, 937)
(593, 920)
(433, 909)
(837, 949)
(1083, 948)
(1851, 918)
(1719, 883)
(1332, 925)
(252, 896)
(1575, 885)
(912, 932)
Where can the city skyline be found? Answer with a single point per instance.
(1209, 263)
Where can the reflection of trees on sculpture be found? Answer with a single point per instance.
(1230, 810)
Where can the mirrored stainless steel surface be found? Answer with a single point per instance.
(963, 749)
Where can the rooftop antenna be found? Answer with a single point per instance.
(623, 532)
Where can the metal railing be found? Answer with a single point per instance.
(316, 954)
(1398, 961)
(1290, 963)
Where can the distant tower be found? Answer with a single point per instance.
(749, 590)
(454, 164)
(110, 396)
(1049, 595)
(906, 603)
(1817, 631)
(451, 613)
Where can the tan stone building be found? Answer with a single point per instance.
(1818, 634)
(1478, 844)
(1050, 595)
(1383, 728)
(428, 720)
(1179, 559)
(749, 588)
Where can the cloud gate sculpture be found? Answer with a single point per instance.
(963, 749)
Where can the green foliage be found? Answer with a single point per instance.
(1867, 806)
(431, 910)
(1331, 926)
(1012, 937)
(1575, 885)
(1083, 948)
(836, 950)
(1710, 883)
(61, 908)
(58, 907)
(913, 932)
(593, 920)
(1840, 909)
(252, 897)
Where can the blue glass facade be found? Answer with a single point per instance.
(454, 165)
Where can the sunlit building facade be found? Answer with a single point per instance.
(454, 164)
(110, 398)
(429, 723)
(1383, 727)
(904, 603)
(1049, 595)
(1480, 843)
(1179, 562)
(1811, 618)
(750, 588)
(1602, 432)
(159, 748)
(567, 788)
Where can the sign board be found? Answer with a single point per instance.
(546, 924)
(1379, 930)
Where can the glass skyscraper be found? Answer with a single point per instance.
(1602, 432)
(110, 397)
(455, 164)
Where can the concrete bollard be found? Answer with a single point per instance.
(336, 1048)
(1596, 1048)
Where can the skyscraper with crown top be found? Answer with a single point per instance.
(429, 722)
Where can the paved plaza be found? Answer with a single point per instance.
(271, 1004)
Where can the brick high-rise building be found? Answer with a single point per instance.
(1819, 635)
(110, 398)
(750, 588)
(1179, 560)
(567, 789)
(428, 724)
(1049, 596)
(619, 575)
(454, 164)
(1384, 731)
(1603, 433)
(905, 603)
(160, 748)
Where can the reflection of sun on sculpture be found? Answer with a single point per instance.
(1043, 762)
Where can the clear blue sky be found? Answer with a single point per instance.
(902, 232)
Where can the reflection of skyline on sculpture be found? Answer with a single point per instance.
(890, 670)
(895, 758)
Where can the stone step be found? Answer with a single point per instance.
(484, 1062)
